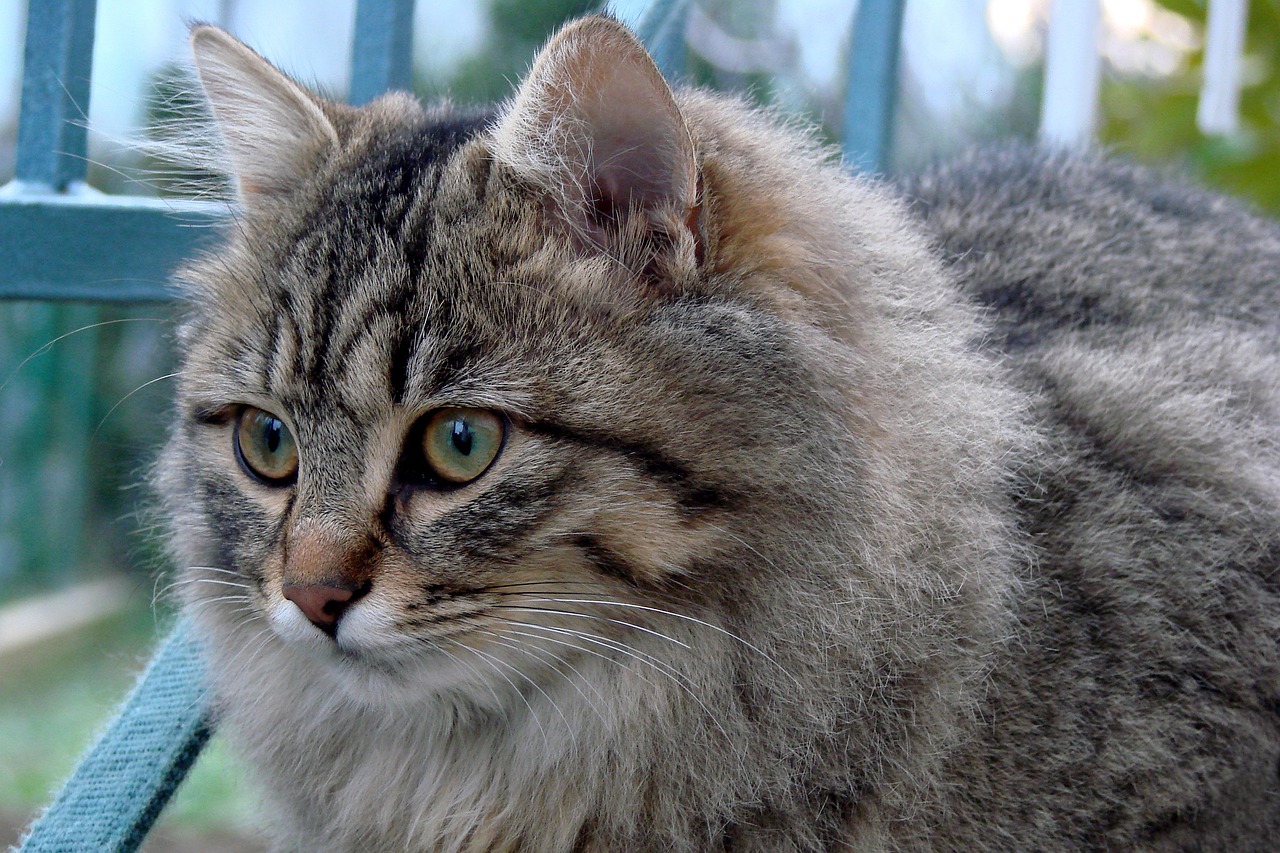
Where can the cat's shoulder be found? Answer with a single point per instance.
(1052, 239)
(1110, 187)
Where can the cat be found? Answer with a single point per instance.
(612, 470)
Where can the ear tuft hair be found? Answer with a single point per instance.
(275, 132)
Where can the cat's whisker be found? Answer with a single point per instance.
(615, 644)
(561, 587)
(480, 679)
(493, 663)
(200, 604)
(263, 638)
(205, 602)
(511, 629)
(505, 643)
(515, 587)
(675, 615)
(213, 581)
(662, 667)
(185, 582)
(214, 569)
(44, 348)
(122, 400)
(126, 176)
(582, 615)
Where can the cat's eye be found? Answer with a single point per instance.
(460, 444)
(265, 447)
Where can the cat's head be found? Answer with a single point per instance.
(604, 378)
(465, 382)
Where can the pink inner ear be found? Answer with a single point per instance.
(637, 183)
(597, 126)
(640, 154)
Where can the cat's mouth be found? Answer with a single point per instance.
(368, 628)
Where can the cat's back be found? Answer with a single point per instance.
(1142, 317)
(1053, 242)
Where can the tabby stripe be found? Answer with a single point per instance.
(604, 559)
(234, 516)
(324, 320)
(404, 342)
(453, 363)
(495, 525)
(692, 495)
(350, 333)
(274, 349)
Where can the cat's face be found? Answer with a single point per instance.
(462, 394)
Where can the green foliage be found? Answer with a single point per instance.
(1155, 120)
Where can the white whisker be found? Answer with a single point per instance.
(517, 648)
(657, 664)
(673, 614)
(532, 713)
(581, 615)
(45, 347)
(122, 400)
(554, 660)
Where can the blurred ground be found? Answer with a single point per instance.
(163, 840)
(57, 694)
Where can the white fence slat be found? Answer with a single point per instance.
(1071, 74)
(1224, 46)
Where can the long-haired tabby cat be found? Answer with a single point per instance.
(614, 471)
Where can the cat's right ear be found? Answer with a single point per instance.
(275, 132)
(596, 126)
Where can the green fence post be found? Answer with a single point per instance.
(871, 85)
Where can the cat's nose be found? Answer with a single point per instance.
(324, 605)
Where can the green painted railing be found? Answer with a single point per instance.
(60, 241)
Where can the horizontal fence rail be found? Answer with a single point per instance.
(100, 249)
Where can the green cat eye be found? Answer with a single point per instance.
(460, 444)
(265, 448)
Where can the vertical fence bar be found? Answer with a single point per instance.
(31, 477)
(57, 61)
(382, 49)
(47, 461)
(1219, 107)
(871, 85)
(1072, 71)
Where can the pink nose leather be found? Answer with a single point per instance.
(323, 605)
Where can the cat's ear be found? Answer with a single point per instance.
(596, 126)
(275, 132)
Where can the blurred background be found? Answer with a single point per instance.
(83, 388)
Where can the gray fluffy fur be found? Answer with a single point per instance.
(940, 518)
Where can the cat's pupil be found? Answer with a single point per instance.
(273, 435)
(462, 436)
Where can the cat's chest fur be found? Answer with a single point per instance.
(430, 775)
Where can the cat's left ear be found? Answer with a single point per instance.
(597, 127)
(276, 132)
